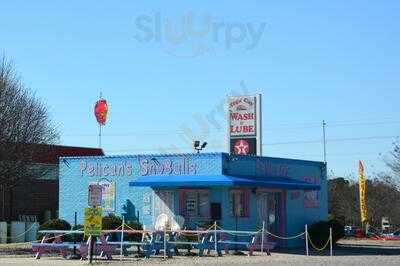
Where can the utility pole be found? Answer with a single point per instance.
(101, 96)
(324, 136)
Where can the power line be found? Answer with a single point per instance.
(266, 144)
(217, 132)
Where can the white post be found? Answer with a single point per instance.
(307, 251)
(331, 240)
(122, 238)
(215, 239)
(262, 238)
(90, 250)
(165, 243)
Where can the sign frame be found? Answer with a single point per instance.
(258, 123)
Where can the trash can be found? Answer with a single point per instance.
(17, 232)
(31, 231)
(3, 232)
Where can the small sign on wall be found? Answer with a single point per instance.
(95, 195)
(146, 204)
(146, 210)
(312, 198)
(108, 195)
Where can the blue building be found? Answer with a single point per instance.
(239, 192)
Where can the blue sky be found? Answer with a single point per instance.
(314, 60)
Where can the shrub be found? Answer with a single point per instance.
(56, 224)
(135, 237)
(111, 222)
(81, 237)
(319, 232)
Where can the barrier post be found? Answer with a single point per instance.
(262, 238)
(75, 222)
(122, 237)
(91, 247)
(307, 251)
(165, 243)
(215, 239)
(331, 240)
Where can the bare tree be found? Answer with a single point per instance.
(24, 122)
(394, 163)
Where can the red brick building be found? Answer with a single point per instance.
(39, 198)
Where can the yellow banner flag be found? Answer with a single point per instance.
(362, 188)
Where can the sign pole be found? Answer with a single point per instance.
(100, 136)
(307, 251)
(324, 138)
(122, 237)
(165, 243)
(101, 96)
(91, 244)
(262, 238)
(331, 239)
(215, 238)
(259, 124)
(75, 222)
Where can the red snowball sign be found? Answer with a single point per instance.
(100, 111)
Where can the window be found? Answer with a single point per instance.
(195, 203)
(239, 203)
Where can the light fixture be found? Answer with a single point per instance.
(197, 146)
(204, 145)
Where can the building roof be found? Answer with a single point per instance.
(50, 154)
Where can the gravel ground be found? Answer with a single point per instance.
(350, 252)
(258, 259)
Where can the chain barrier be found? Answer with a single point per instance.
(319, 249)
(22, 234)
(38, 241)
(285, 238)
(237, 233)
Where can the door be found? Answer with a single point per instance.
(269, 211)
(164, 203)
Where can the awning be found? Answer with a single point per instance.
(193, 181)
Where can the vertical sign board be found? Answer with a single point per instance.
(95, 195)
(93, 214)
(108, 195)
(244, 125)
(93, 221)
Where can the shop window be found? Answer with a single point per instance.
(239, 203)
(194, 203)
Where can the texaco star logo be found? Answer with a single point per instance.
(242, 147)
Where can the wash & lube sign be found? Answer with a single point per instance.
(244, 125)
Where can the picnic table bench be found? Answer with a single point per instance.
(251, 243)
(56, 245)
(102, 248)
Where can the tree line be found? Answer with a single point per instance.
(382, 195)
(24, 121)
